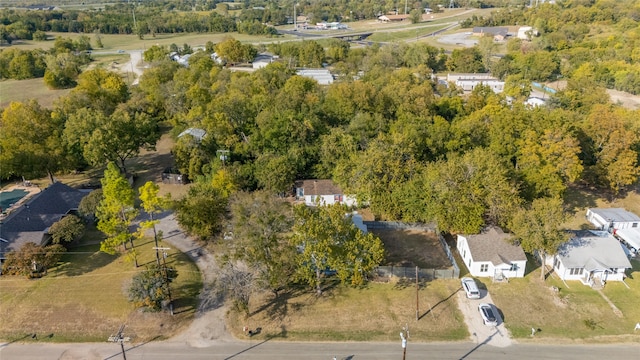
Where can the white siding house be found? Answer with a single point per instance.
(612, 218)
(322, 192)
(491, 254)
(591, 257)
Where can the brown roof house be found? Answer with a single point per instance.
(31, 221)
(322, 192)
(492, 254)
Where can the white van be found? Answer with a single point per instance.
(470, 288)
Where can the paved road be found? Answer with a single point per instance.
(271, 350)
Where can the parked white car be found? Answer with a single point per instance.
(488, 315)
(470, 288)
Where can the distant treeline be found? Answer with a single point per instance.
(253, 17)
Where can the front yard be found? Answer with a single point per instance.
(85, 298)
(573, 311)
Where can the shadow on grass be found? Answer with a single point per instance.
(15, 340)
(578, 198)
(438, 303)
(278, 307)
(82, 260)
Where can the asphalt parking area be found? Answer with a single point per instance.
(480, 333)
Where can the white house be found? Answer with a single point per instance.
(492, 254)
(262, 60)
(467, 82)
(322, 192)
(322, 76)
(592, 257)
(612, 218)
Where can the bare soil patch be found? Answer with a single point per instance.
(412, 247)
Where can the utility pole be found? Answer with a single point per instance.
(295, 18)
(417, 301)
(223, 155)
(166, 275)
(120, 338)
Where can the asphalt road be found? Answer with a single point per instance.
(272, 350)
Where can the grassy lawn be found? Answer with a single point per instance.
(85, 298)
(23, 90)
(575, 312)
(375, 313)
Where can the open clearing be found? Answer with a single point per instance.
(412, 247)
(374, 313)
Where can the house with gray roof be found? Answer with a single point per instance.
(591, 257)
(610, 219)
(322, 192)
(31, 221)
(492, 254)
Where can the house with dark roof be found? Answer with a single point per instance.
(492, 254)
(322, 192)
(31, 221)
(592, 257)
(610, 219)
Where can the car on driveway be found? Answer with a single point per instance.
(470, 288)
(488, 314)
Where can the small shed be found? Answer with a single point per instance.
(172, 175)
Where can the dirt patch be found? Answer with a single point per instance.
(413, 247)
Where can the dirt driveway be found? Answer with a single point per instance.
(497, 336)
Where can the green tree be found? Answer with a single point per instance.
(327, 239)
(150, 288)
(467, 60)
(153, 205)
(116, 212)
(549, 161)
(609, 149)
(32, 260)
(233, 51)
(202, 211)
(156, 53)
(97, 89)
(538, 228)
(62, 71)
(30, 141)
(114, 138)
(67, 229)
(88, 206)
(261, 224)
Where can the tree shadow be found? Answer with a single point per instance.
(578, 198)
(279, 306)
(430, 310)
(82, 260)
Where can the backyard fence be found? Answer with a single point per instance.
(410, 272)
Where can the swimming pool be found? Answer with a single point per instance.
(8, 198)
